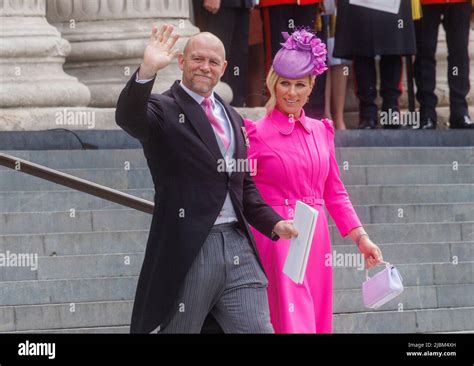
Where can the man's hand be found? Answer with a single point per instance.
(212, 6)
(159, 52)
(285, 229)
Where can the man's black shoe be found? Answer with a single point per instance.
(427, 124)
(367, 123)
(391, 127)
(463, 122)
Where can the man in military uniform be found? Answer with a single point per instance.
(455, 16)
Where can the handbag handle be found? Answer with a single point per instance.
(387, 264)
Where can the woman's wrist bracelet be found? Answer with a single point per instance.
(360, 237)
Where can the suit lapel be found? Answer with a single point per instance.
(198, 119)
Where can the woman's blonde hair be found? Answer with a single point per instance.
(272, 80)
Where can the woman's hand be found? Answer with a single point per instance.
(371, 252)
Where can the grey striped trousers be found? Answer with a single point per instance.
(226, 280)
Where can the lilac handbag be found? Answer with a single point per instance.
(382, 287)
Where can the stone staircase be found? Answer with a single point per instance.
(417, 203)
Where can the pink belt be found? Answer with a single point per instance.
(312, 201)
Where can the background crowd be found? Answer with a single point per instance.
(357, 39)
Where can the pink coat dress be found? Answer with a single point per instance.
(295, 160)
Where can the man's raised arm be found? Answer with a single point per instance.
(137, 113)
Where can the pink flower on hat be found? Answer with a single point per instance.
(304, 40)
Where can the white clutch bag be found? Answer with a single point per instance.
(382, 287)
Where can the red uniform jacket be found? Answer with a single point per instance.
(285, 2)
(429, 2)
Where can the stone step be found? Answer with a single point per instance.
(85, 159)
(414, 297)
(118, 139)
(403, 213)
(348, 273)
(418, 253)
(86, 221)
(112, 220)
(124, 329)
(99, 242)
(67, 266)
(72, 293)
(123, 289)
(117, 314)
(133, 241)
(75, 267)
(411, 193)
(71, 290)
(406, 174)
(66, 199)
(414, 274)
(61, 200)
(62, 316)
(121, 179)
(412, 233)
(457, 332)
(140, 178)
(89, 221)
(441, 137)
(404, 155)
(410, 321)
(81, 221)
(134, 158)
(67, 140)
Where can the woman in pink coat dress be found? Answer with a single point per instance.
(295, 160)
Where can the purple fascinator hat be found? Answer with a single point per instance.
(301, 55)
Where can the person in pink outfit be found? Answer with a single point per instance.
(295, 160)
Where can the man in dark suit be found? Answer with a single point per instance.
(456, 18)
(200, 257)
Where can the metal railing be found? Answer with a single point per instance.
(76, 183)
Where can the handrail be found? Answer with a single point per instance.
(76, 183)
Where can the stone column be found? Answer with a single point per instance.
(108, 39)
(32, 54)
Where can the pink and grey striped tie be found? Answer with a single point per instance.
(207, 105)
